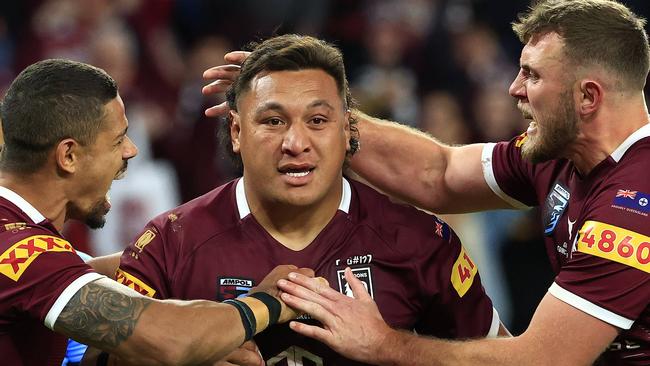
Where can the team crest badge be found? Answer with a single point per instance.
(556, 202)
(364, 274)
(229, 288)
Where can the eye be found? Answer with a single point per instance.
(318, 121)
(274, 121)
(529, 75)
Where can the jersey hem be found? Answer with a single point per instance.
(494, 327)
(490, 178)
(589, 307)
(66, 295)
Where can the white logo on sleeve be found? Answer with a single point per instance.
(571, 223)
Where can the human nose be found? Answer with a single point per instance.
(296, 139)
(130, 149)
(517, 89)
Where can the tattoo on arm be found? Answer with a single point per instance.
(101, 316)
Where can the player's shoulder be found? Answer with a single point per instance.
(22, 243)
(379, 208)
(211, 212)
(191, 224)
(616, 213)
(622, 196)
(632, 162)
(398, 222)
(13, 233)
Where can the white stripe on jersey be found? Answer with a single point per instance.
(488, 173)
(589, 307)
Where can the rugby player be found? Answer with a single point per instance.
(583, 160)
(65, 141)
(291, 126)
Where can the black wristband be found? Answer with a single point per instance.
(274, 305)
(247, 317)
(102, 359)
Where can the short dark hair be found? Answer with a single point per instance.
(602, 32)
(290, 52)
(49, 101)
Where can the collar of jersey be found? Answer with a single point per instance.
(244, 210)
(629, 141)
(22, 204)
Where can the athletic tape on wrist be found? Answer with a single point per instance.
(273, 304)
(258, 311)
(247, 317)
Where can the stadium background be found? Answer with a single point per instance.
(443, 66)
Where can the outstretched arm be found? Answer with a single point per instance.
(115, 318)
(354, 328)
(414, 167)
(144, 331)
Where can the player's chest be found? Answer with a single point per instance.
(219, 272)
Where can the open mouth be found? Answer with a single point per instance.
(296, 171)
(298, 174)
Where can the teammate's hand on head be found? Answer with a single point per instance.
(352, 327)
(246, 355)
(269, 285)
(221, 78)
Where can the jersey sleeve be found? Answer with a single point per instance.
(456, 305)
(40, 273)
(509, 176)
(608, 273)
(145, 262)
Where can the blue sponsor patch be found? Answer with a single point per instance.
(633, 200)
(556, 202)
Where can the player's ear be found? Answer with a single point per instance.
(235, 130)
(591, 97)
(66, 154)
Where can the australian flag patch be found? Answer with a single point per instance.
(633, 200)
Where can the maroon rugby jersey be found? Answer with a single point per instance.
(39, 273)
(412, 264)
(596, 232)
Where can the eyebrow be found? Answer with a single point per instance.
(269, 106)
(275, 106)
(320, 103)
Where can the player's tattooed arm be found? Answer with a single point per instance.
(101, 315)
(112, 317)
(109, 316)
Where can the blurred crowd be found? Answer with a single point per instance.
(443, 66)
